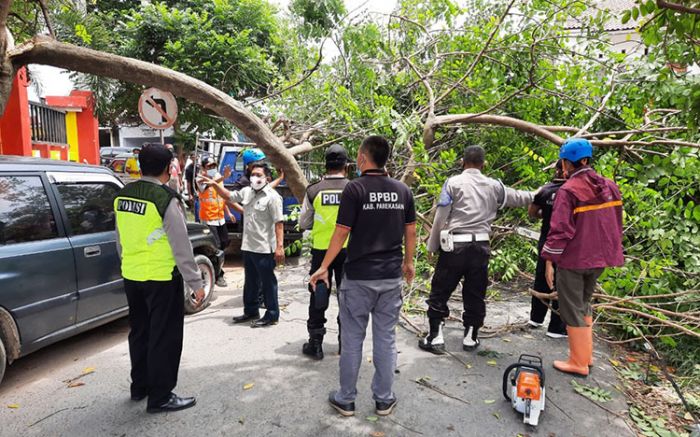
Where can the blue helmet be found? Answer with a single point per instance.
(252, 155)
(575, 149)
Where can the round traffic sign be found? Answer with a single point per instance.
(158, 109)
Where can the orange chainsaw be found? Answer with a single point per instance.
(523, 386)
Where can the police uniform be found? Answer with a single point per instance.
(319, 212)
(155, 255)
(461, 231)
(544, 199)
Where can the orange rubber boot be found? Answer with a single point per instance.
(589, 322)
(580, 347)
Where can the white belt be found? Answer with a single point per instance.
(468, 238)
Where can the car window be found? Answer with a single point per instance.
(90, 206)
(239, 163)
(25, 211)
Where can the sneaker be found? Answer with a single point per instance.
(385, 408)
(534, 324)
(471, 340)
(346, 410)
(221, 282)
(552, 334)
(434, 342)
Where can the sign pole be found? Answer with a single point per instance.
(162, 136)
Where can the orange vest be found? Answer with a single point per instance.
(211, 205)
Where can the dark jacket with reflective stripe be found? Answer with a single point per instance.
(586, 225)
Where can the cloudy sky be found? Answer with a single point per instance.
(55, 82)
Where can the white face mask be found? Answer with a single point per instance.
(211, 172)
(258, 182)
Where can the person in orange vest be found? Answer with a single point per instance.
(213, 210)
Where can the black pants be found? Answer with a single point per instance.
(468, 262)
(260, 269)
(220, 234)
(156, 318)
(317, 317)
(538, 309)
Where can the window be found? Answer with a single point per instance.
(25, 212)
(90, 207)
(239, 163)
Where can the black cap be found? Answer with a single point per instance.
(207, 160)
(336, 154)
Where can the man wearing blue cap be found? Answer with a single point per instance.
(585, 237)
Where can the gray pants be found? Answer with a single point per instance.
(357, 300)
(575, 289)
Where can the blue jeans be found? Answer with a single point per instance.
(260, 268)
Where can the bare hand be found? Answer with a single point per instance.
(279, 255)
(205, 180)
(319, 275)
(227, 172)
(409, 271)
(549, 274)
(198, 297)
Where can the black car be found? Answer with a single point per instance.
(59, 268)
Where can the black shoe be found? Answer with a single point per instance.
(385, 408)
(346, 410)
(261, 323)
(434, 342)
(174, 403)
(246, 318)
(313, 348)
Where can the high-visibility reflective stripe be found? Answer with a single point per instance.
(599, 206)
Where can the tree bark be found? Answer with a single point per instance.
(47, 51)
(7, 71)
(499, 120)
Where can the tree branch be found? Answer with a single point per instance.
(479, 56)
(47, 51)
(662, 4)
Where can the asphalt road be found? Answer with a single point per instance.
(256, 382)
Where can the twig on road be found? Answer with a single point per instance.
(404, 426)
(426, 384)
(418, 331)
(56, 412)
(549, 399)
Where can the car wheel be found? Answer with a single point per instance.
(208, 275)
(3, 360)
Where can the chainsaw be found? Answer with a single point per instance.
(523, 386)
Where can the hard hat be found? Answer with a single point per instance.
(336, 154)
(575, 149)
(252, 155)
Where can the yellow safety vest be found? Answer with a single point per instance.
(146, 252)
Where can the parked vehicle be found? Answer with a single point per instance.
(109, 153)
(59, 268)
(230, 154)
(118, 166)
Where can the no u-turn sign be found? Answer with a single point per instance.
(158, 109)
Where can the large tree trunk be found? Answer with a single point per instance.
(47, 51)
(7, 71)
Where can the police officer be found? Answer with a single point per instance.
(156, 255)
(378, 214)
(318, 213)
(542, 207)
(461, 231)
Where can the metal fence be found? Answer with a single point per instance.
(48, 124)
